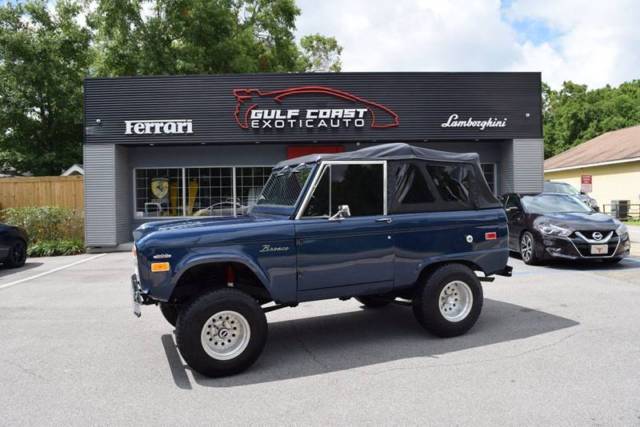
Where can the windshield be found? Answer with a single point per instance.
(553, 203)
(559, 187)
(284, 186)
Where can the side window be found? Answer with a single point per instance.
(409, 190)
(361, 186)
(453, 182)
(319, 201)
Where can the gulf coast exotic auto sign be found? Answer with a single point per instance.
(257, 109)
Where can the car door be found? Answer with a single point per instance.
(345, 254)
(516, 218)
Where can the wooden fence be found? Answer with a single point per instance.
(62, 191)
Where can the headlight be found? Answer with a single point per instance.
(553, 230)
(622, 229)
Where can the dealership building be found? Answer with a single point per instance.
(164, 147)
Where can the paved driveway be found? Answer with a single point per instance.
(554, 345)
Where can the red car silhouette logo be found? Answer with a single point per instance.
(248, 99)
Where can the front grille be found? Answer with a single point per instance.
(585, 247)
(595, 235)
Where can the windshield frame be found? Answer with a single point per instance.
(527, 207)
(288, 210)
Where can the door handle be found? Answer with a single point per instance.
(386, 219)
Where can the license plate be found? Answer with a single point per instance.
(599, 249)
(134, 298)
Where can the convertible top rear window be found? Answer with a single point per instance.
(429, 186)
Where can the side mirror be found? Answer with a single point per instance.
(343, 212)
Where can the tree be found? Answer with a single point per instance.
(45, 52)
(575, 114)
(44, 56)
(205, 36)
(320, 53)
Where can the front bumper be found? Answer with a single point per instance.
(576, 248)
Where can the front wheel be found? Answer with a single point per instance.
(528, 249)
(448, 303)
(221, 333)
(170, 312)
(17, 255)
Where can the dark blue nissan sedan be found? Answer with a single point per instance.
(385, 224)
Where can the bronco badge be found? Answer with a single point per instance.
(269, 248)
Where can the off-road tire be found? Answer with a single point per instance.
(531, 257)
(17, 255)
(170, 312)
(375, 301)
(193, 318)
(426, 301)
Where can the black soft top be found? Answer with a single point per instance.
(394, 151)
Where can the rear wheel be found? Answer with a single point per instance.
(221, 333)
(375, 301)
(17, 255)
(448, 303)
(528, 249)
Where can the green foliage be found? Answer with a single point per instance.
(46, 51)
(575, 114)
(47, 224)
(320, 53)
(43, 58)
(204, 36)
(55, 247)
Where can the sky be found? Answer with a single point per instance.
(593, 42)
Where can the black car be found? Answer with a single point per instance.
(564, 188)
(13, 246)
(559, 226)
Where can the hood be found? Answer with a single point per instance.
(580, 221)
(194, 232)
(190, 223)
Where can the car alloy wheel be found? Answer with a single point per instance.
(225, 335)
(526, 247)
(456, 300)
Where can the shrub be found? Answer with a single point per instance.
(56, 247)
(51, 230)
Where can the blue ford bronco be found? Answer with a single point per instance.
(391, 223)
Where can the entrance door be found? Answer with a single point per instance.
(340, 256)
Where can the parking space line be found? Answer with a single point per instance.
(44, 273)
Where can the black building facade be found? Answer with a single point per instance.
(183, 146)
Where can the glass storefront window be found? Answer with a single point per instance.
(197, 191)
(209, 191)
(159, 192)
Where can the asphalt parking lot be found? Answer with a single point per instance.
(555, 345)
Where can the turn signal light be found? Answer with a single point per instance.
(157, 267)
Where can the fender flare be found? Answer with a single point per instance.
(193, 261)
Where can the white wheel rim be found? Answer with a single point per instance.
(225, 335)
(526, 247)
(456, 300)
